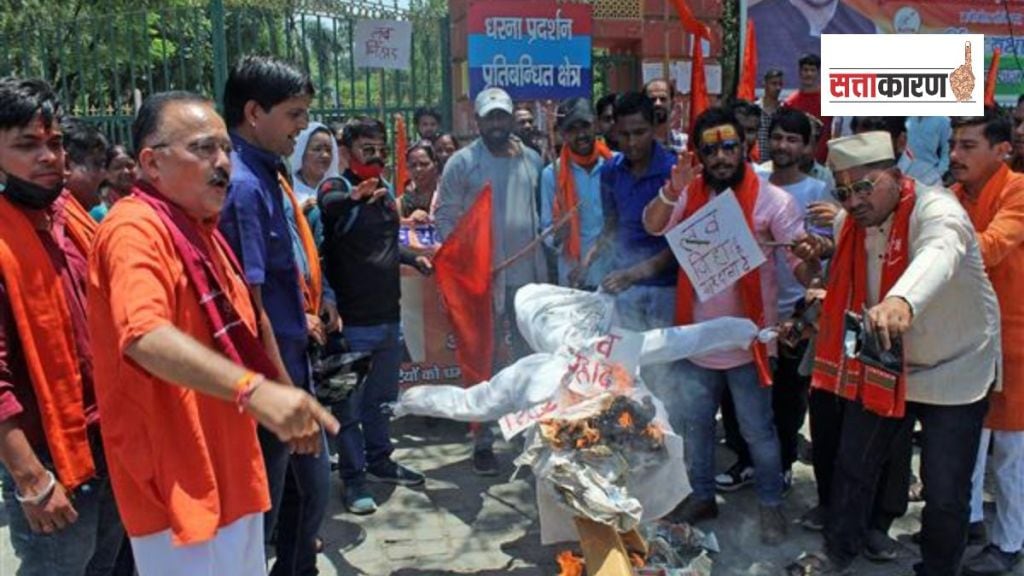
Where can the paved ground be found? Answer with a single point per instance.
(463, 524)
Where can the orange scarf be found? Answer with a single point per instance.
(312, 290)
(879, 391)
(46, 334)
(699, 193)
(566, 197)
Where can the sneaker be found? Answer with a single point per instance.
(692, 510)
(358, 499)
(814, 519)
(736, 477)
(773, 525)
(394, 473)
(879, 547)
(991, 561)
(484, 462)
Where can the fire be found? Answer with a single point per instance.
(654, 433)
(589, 435)
(570, 564)
(626, 419)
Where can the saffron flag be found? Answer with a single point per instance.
(748, 76)
(990, 80)
(463, 271)
(698, 88)
(690, 22)
(401, 147)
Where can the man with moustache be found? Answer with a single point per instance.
(362, 257)
(513, 170)
(266, 106)
(907, 256)
(185, 359)
(790, 135)
(993, 197)
(61, 511)
(769, 104)
(572, 183)
(772, 215)
(663, 93)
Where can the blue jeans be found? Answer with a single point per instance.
(701, 393)
(88, 547)
(365, 437)
(295, 514)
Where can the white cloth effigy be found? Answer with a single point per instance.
(559, 322)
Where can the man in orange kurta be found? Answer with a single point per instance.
(62, 515)
(184, 363)
(993, 197)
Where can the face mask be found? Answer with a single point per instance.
(365, 171)
(29, 195)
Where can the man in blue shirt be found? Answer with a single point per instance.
(926, 156)
(584, 157)
(644, 270)
(266, 106)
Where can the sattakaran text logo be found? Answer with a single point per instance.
(901, 75)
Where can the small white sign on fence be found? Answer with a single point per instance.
(383, 44)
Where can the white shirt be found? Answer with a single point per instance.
(953, 349)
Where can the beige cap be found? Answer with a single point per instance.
(860, 149)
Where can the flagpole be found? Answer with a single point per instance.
(562, 221)
(743, 42)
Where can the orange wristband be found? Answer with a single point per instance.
(244, 387)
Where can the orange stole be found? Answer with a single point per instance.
(46, 334)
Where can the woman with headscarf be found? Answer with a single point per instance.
(314, 160)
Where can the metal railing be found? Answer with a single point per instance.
(104, 57)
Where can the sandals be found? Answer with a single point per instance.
(815, 564)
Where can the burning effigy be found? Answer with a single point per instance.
(598, 441)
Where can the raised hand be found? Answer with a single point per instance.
(682, 175)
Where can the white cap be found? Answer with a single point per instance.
(860, 149)
(492, 99)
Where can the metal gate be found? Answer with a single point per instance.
(104, 57)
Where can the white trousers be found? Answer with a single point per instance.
(1008, 480)
(236, 550)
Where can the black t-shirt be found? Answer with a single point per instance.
(362, 257)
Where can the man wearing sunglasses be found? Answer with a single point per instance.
(775, 217)
(905, 256)
(362, 259)
(993, 197)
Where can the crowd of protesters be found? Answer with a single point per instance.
(163, 302)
